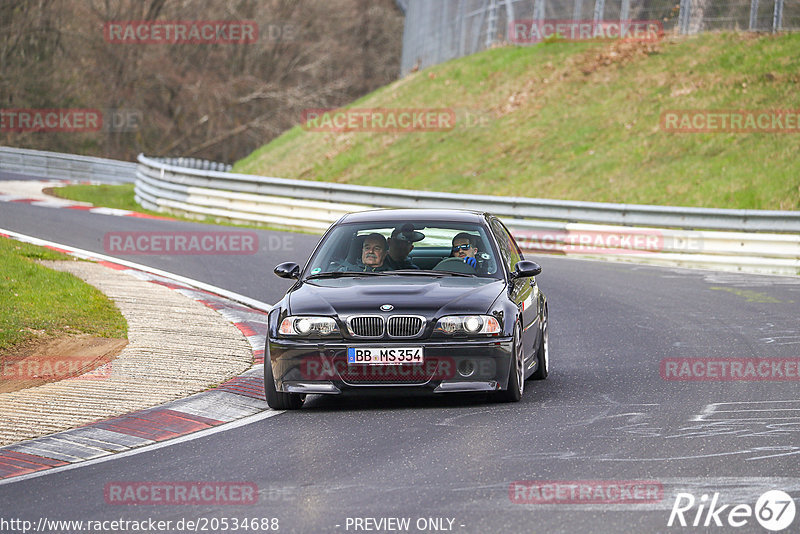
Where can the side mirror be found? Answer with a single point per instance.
(288, 270)
(525, 269)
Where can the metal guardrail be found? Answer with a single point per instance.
(670, 235)
(687, 237)
(60, 166)
(196, 163)
(510, 207)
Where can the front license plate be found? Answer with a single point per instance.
(384, 355)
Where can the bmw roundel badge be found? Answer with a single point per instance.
(387, 307)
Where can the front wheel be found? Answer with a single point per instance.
(543, 354)
(516, 375)
(278, 400)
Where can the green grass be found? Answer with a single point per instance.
(36, 301)
(576, 121)
(108, 196)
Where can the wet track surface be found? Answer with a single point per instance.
(605, 413)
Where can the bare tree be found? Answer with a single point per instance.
(216, 101)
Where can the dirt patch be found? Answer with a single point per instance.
(617, 53)
(591, 62)
(50, 360)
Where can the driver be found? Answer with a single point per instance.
(465, 247)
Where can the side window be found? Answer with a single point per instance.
(508, 247)
(513, 244)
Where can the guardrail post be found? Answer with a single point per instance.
(684, 15)
(538, 10)
(599, 8)
(753, 15)
(625, 10)
(777, 16)
(577, 10)
(491, 25)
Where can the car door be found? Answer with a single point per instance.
(523, 291)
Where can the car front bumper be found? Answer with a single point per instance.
(449, 366)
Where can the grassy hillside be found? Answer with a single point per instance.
(576, 121)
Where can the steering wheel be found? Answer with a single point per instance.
(455, 265)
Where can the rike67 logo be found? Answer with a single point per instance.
(774, 510)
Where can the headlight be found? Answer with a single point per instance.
(468, 324)
(473, 324)
(449, 324)
(308, 326)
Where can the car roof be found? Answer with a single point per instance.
(395, 216)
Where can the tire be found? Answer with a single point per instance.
(543, 354)
(516, 374)
(278, 400)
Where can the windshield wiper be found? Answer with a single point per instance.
(339, 274)
(417, 272)
(422, 272)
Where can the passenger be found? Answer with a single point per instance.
(373, 255)
(401, 243)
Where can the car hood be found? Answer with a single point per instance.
(428, 296)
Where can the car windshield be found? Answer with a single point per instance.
(410, 248)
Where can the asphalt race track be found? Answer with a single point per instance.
(604, 414)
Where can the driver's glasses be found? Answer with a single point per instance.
(465, 246)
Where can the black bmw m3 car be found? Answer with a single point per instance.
(439, 300)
